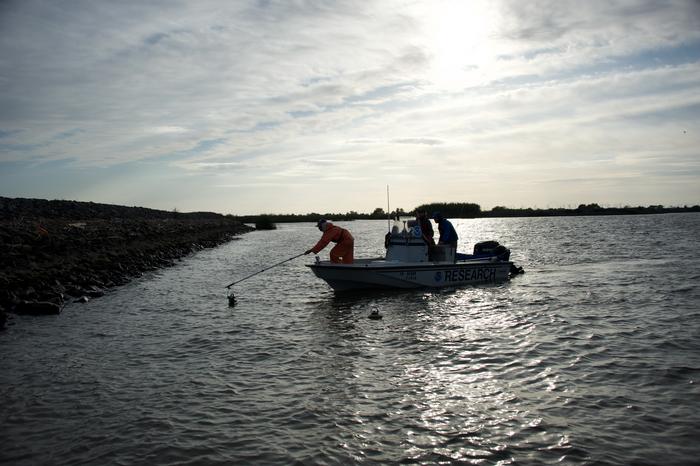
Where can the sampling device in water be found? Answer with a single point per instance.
(232, 297)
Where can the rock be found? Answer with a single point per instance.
(37, 308)
(82, 299)
(30, 292)
(73, 290)
(51, 297)
(90, 247)
(94, 292)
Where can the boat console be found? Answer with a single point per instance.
(406, 245)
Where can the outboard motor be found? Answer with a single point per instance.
(492, 248)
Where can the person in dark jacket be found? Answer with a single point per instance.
(448, 235)
(425, 228)
(342, 252)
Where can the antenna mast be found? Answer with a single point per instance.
(388, 210)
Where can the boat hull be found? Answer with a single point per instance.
(384, 274)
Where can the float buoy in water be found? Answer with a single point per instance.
(374, 315)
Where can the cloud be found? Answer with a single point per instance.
(610, 25)
(224, 165)
(287, 90)
(419, 141)
(168, 129)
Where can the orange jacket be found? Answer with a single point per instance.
(332, 233)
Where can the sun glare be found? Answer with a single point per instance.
(459, 37)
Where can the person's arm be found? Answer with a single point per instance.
(454, 236)
(323, 242)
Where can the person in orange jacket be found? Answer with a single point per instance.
(342, 252)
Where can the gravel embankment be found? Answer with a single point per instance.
(55, 251)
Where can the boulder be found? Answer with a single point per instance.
(37, 308)
(94, 292)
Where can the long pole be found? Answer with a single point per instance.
(261, 271)
(388, 210)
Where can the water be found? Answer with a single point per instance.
(591, 357)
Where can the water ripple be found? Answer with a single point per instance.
(591, 357)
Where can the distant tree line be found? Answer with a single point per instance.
(377, 214)
(451, 209)
(14, 208)
(586, 209)
(468, 210)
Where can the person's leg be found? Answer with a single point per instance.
(336, 258)
(343, 252)
(348, 252)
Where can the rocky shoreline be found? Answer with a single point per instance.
(53, 252)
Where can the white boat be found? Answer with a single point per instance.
(410, 263)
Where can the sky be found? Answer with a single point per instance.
(294, 106)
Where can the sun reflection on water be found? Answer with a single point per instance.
(459, 390)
